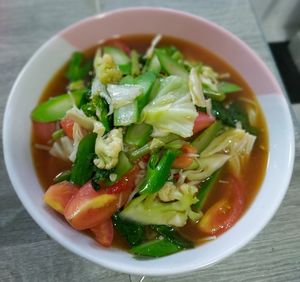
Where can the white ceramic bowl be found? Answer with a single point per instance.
(56, 51)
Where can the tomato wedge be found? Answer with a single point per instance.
(67, 126)
(226, 212)
(202, 121)
(104, 233)
(58, 195)
(43, 131)
(89, 208)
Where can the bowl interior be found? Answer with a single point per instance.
(54, 53)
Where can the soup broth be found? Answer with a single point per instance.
(47, 166)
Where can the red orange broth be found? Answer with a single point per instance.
(252, 174)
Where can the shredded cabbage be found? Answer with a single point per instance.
(151, 210)
(206, 167)
(172, 110)
(235, 142)
(78, 134)
(150, 50)
(62, 148)
(196, 88)
(124, 94)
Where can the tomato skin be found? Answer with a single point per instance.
(43, 131)
(184, 160)
(58, 195)
(104, 233)
(67, 126)
(226, 212)
(189, 149)
(88, 208)
(202, 121)
(127, 182)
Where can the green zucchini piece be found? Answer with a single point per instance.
(55, 108)
(138, 134)
(170, 65)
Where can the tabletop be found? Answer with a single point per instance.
(28, 254)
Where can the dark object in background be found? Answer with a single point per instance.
(288, 69)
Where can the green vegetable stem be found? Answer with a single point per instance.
(158, 171)
(82, 169)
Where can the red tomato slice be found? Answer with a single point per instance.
(43, 131)
(127, 182)
(226, 212)
(58, 195)
(104, 233)
(67, 125)
(202, 121)
(89, 208)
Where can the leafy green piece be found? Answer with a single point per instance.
(231, 115)
(156, 248)
(78, 68)
(100, 175)
(134, 233)
(172, 235)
